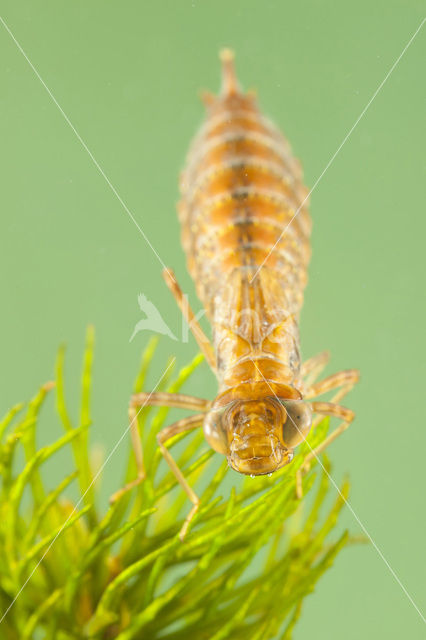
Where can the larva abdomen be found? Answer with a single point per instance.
(245, 229)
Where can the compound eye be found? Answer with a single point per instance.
(214, 428)
(298, 422)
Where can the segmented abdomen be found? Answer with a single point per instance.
(247, 250)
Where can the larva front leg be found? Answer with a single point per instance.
(153, 399)
(138, 451)
(165, 434)
(346, 381)
(324, 409)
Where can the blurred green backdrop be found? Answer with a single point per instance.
(127, 76)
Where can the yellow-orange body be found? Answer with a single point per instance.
(240, 190)
(245, 230)
(247, 249)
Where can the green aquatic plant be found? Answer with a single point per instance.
(71, 570)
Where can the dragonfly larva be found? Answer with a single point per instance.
(245, 231)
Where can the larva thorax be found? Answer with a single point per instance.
(240, 189)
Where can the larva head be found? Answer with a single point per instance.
(258, 435)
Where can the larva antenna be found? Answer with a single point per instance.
(230, 83)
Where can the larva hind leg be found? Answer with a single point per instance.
(313, 367)
(324, 409)
(165, 434)
(182, 302)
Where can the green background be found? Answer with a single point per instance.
(127, 76)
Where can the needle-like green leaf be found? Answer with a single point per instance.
(253, 553)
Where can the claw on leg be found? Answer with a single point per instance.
(188, 519)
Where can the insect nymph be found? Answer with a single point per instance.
(245, 230)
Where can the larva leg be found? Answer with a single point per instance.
(165, 434)
(137, 448)
(344, 379)
(324, 409)
(182, 302)
(157, 399)
(175, 400)
(313, 367)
